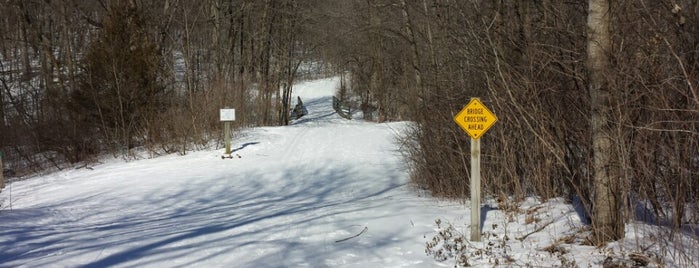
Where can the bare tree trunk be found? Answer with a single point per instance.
(607, 222)
(241, 87)
(264, 81)
(2, 108)
(430, 39)
(2, 178)
(413, 45)
(189, 71)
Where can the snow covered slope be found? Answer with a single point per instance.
(322, 192)
(295, 192)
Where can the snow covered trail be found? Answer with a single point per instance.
(295, 192)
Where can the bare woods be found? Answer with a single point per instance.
(80, 78)
(597, 100)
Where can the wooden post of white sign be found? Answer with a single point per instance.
(227, 136)
(475, 189)
(227, 116)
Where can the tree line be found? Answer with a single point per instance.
(81, 78)
(597, 100)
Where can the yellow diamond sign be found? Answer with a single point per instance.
(475, 118)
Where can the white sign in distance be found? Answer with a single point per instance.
(227, 115)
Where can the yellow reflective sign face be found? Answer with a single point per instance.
(475, 118)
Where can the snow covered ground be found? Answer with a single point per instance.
(323, 192)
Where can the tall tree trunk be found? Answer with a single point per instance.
(290, 65)
(3, 138)
(266, 85)
(414, 48)
(242, 61)
(607, 222)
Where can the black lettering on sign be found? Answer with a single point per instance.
(471, 111)
(475, 119)
(475, 126)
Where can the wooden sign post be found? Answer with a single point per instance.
(227, 116)
(475, 119)
(475, 189)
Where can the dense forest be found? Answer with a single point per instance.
(597, 100)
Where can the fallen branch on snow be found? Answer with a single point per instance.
(348, 238)
(535, 231)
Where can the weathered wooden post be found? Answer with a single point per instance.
(227, 136)
(475, 119)
(227, 116)
(475, 189)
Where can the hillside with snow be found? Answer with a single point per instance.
(322, 192)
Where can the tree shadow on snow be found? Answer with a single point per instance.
(484, 212)
(319, 110)
(221, 220)
(243, 146)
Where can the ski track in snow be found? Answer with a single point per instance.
(295, 191)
